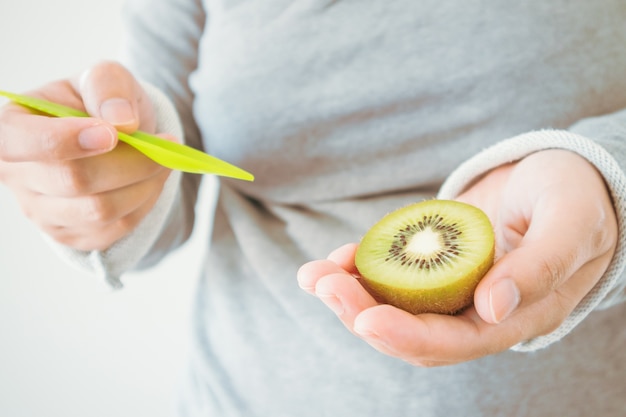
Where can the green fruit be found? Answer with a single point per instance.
(427, 257)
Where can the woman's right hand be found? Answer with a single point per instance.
(70, 176)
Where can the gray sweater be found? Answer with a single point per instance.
(345, 110)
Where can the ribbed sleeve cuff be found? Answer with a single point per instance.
(608, 291)
(122, 256)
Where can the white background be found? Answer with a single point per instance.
(68, 346)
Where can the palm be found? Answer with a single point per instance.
(555, 235)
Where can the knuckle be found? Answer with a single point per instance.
(29, 206)
(98, 209)
(127, 223)
(29, 212)
(61, 235)
(50, 145)
(63, 238)
(108, 69)
(48, 148)
(5, 147)
(553, 270)
(73, 180)
(604, 236)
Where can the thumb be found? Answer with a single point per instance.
(532, 271)
(110, 92)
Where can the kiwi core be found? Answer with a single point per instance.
(429, 243)
(425, 242)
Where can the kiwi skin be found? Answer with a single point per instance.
(456, 290)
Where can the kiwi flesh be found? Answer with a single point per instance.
(427, 257)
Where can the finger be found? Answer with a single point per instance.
(122, 167)
(339, 261)
(555, 246)
(90, 211)
(344, 257)
(26, 137)
(311, 272)
(100, 238)
(109, 91)
(344, 295)
(434, 339)
(336, 287)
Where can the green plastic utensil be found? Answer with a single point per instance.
(169, 154)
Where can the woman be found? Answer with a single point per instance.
(345, 111)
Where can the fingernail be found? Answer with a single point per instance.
(96, 137)
(117, 111)
(333, 302)
(504, 297)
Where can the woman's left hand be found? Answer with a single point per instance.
(556, 233)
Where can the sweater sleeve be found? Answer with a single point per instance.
(593, 146)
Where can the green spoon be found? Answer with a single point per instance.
(169, 154)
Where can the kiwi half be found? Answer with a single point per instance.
(427, 257)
